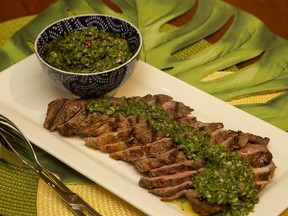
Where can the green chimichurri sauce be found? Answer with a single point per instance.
(88, 50)
(228, 180)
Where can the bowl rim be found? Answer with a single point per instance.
(93, 73)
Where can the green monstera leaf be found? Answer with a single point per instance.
(184, 51)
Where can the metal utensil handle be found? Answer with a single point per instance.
(73, 200)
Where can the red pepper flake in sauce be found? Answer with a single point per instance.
(228, 180)
(88, 50)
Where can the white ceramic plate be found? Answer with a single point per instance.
(26, 92)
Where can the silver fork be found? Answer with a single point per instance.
(13, 138)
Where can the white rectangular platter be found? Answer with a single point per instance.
(26, 92)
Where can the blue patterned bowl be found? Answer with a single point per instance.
(90, 84)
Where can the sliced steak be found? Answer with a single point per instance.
(84, 125)
(52, 111)
(201, 207)
(70, 127)
(107, 138)
(260, 185)
(141, 130)
(114, 147)
(171, 190)
(186, 165)
(176, 110)
(158, 98)
(264, 173)
(168, 172)
(229, 139)
(169, 157)
(149, 150)
(62, 110)
(233, 140)
(209, 127)
(198, 206)
(95, 125)
(143, 133)
(255, 139)
(167, 180)
(256, 155)
(187, 120)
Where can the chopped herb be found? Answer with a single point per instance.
(88, 50)
(228, 179)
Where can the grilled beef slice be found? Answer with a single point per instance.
(167, 180)
(168, 173)
(199, 206)
(107, 138)
(174, 168)
(61, 111)
(148, 150)
(171, 190)
(257, 155)
(169, 157)
(114, 147)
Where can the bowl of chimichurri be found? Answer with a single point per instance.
(89, 55)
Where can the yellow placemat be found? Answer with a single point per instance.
(101, 199)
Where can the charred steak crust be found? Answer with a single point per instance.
(169, 173)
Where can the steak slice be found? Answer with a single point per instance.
(51, 114)
(61, 110)
(169, 157)
(186, 165)
(84, 125)
(264, 173)
(114, 147)
(143, 133)
(258, 139)
(209, 127)
(157, 99)
(148, 150)
(233, 140)
(107, 138)
(198, 206)
(167, 180)
(94, 125)
(256, 155)
(229, 139)
(176, 110)
(70, 127)
(171, 190)
(201, 207)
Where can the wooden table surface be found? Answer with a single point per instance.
(274, 13)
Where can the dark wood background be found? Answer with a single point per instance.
(274, 13)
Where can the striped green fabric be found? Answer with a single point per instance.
(18, 187)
